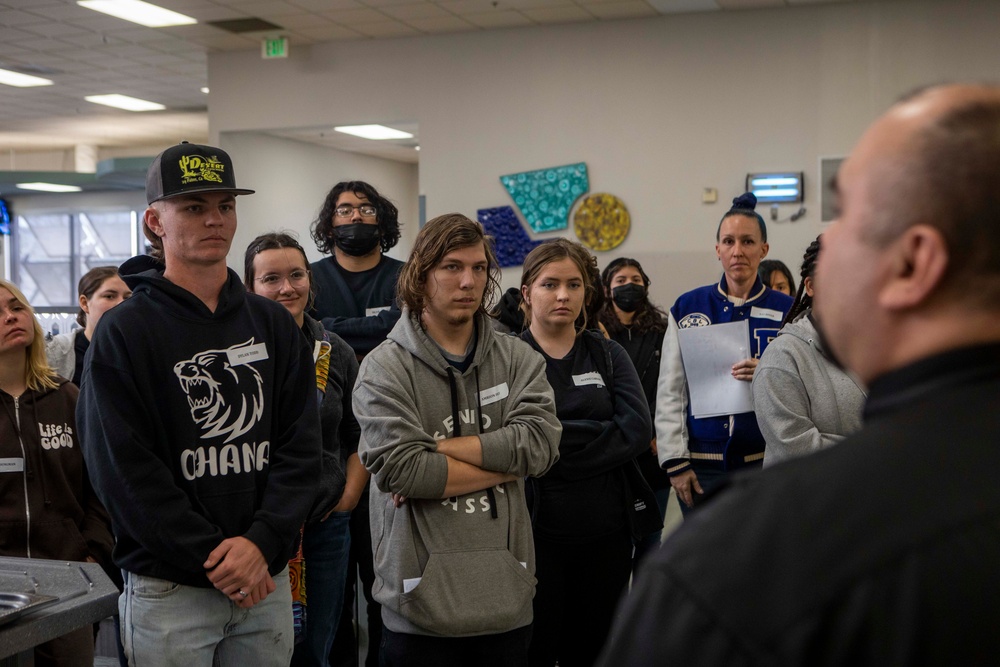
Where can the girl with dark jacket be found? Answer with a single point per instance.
(580, 517)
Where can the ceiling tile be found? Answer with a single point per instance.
(621, 10)
(266, 10)
(12, 17)
(561, 14)
(384, 29)
(409, 13)
(53, 29)
(293, 21)
(683, 6)
(498, 19)
(329, 33)
(472, 6)
(327, 5)
(349, 16)
(750, 4)
(443, 24)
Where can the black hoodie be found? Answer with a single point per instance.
(198, 426)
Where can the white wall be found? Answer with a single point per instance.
(658, 108)
(291, 180)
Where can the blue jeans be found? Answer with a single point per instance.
(325, 547)
(167, 624)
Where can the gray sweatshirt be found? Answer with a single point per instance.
(460, 566)
(803, 401)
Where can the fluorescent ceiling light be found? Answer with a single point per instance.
(377, 132)
(139, 12)
(124, 102)
(9, 78)
(48, 187)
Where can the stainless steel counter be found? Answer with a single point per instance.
(84, 595)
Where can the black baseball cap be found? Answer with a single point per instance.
(189, 168)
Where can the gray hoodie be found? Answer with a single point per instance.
(803, 401)
(460, 566)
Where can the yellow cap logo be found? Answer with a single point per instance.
(196, 168)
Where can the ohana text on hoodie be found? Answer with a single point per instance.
(460, 566)
(198, 426)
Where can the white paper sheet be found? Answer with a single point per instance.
(708, 354)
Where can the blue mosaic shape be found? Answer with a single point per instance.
(545, 197)
(512, 243)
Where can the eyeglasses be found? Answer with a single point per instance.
(345, 211)
(273, 281)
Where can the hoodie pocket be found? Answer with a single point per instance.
(469, 593)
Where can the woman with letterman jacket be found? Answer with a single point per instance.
(698, 453)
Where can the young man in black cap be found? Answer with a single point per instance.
(200, 429)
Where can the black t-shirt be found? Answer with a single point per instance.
(578, 510)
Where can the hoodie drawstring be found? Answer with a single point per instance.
(456, 429)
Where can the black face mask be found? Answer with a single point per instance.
(356, 239)
(628, 297)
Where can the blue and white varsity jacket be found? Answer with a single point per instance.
(732, 441)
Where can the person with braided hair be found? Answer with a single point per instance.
(803, 401)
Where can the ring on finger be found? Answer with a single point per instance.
(242, 593)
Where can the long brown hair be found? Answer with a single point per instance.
(554, 251)
(37, 372)
(438, 237)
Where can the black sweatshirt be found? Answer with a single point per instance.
(582, 496)
(199, 426)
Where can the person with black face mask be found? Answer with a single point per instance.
(638, 326)
(356, 299)
(356, 284)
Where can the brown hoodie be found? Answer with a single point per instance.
(47, 506)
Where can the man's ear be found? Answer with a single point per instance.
(919, 258)
(151, 218)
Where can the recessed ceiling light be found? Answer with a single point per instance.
(377, 132)
(139, 12)
(416, 148)
(205, 90)
(124, 102)
(9, 78)
(48, 187)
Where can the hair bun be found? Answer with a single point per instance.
(747, 201)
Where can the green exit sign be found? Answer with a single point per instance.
(274, 47)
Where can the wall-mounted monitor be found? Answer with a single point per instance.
(776, 187)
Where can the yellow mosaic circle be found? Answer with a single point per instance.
(601, 222)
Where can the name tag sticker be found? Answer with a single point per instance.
(494, 394)
(767, 314)
(247, 355)
(375, 311)
(410, 584)
(588, 378)
(12, 465)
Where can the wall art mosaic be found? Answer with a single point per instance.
(601, 222)
(545, 196)
(512, 243)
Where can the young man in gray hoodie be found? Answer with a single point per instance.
(453, 417)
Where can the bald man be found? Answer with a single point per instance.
(884, 549)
